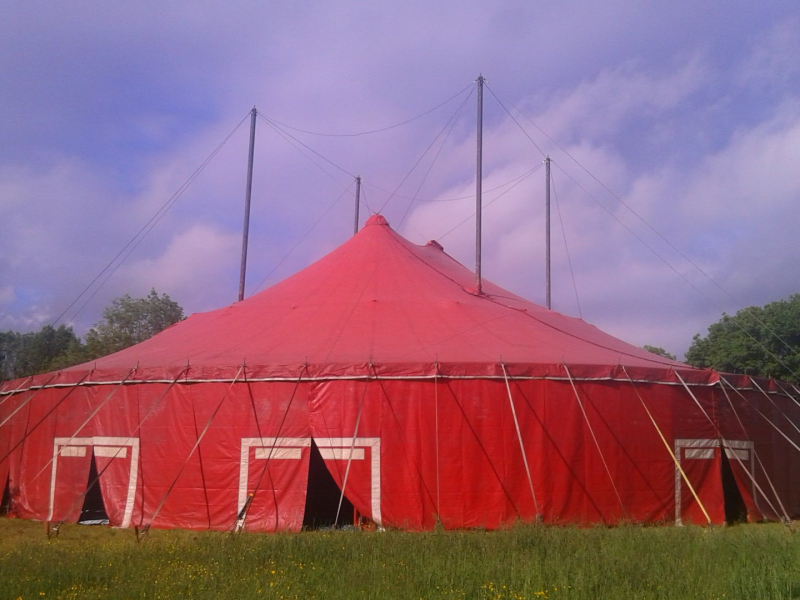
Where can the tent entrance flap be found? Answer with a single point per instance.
(322, 496)
(5, 503)
(93, 511)
(735, 508)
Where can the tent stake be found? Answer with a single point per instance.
(243, 513)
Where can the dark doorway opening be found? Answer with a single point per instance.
(735, 508)
(5, 503)
(93, 511)
(322, 497)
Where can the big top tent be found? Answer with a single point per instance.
(380, 382)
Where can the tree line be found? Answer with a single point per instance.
(126, 321)
(758, 340)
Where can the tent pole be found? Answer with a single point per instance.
(248, 190)
(478, 188)
(547, 229)
(358, 200)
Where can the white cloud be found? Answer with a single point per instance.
(600, 107)
(196, 265)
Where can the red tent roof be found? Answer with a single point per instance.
(379, 299)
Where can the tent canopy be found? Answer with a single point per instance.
(379, 299)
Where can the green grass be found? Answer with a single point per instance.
(745, 561)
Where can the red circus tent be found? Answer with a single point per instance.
(381, 372)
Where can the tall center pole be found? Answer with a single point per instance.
(479, 189)
(358, 202)
(247, 193)
(547, 228)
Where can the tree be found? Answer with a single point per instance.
(659, 350)
(23, 354)
(757, 340)
(129, 321)
(126, 322)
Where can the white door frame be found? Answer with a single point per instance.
(704, 449)
(107, 447)
(288, 448)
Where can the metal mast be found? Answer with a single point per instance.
(358, 200)
(249, 189)
(547, 228)
(478, 188)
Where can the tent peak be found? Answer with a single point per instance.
(435, 244)
(377, 220)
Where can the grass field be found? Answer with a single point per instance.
(744, 561)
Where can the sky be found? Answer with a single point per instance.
(673, 130)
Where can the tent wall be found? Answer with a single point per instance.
(143, 441)
(768, 473)
(408, 453)
(13, 418)
(481, 479)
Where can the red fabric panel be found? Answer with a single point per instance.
(481, 479)
(704, 475)
(334, 408)
(741, 424)
(12, 434)
(7, 405)
(55, 413)
(775, 463)
(72, 475)
(278, 484)
(114, 470)
(206, 491)
(467, 472)
(279, 492)
(14, 416)
(769, 423)
(787, 457)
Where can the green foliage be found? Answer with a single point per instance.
(749, 343)
(129, 321)
(126, 322)
(660, 351)
(23, 354)
(531, 562)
